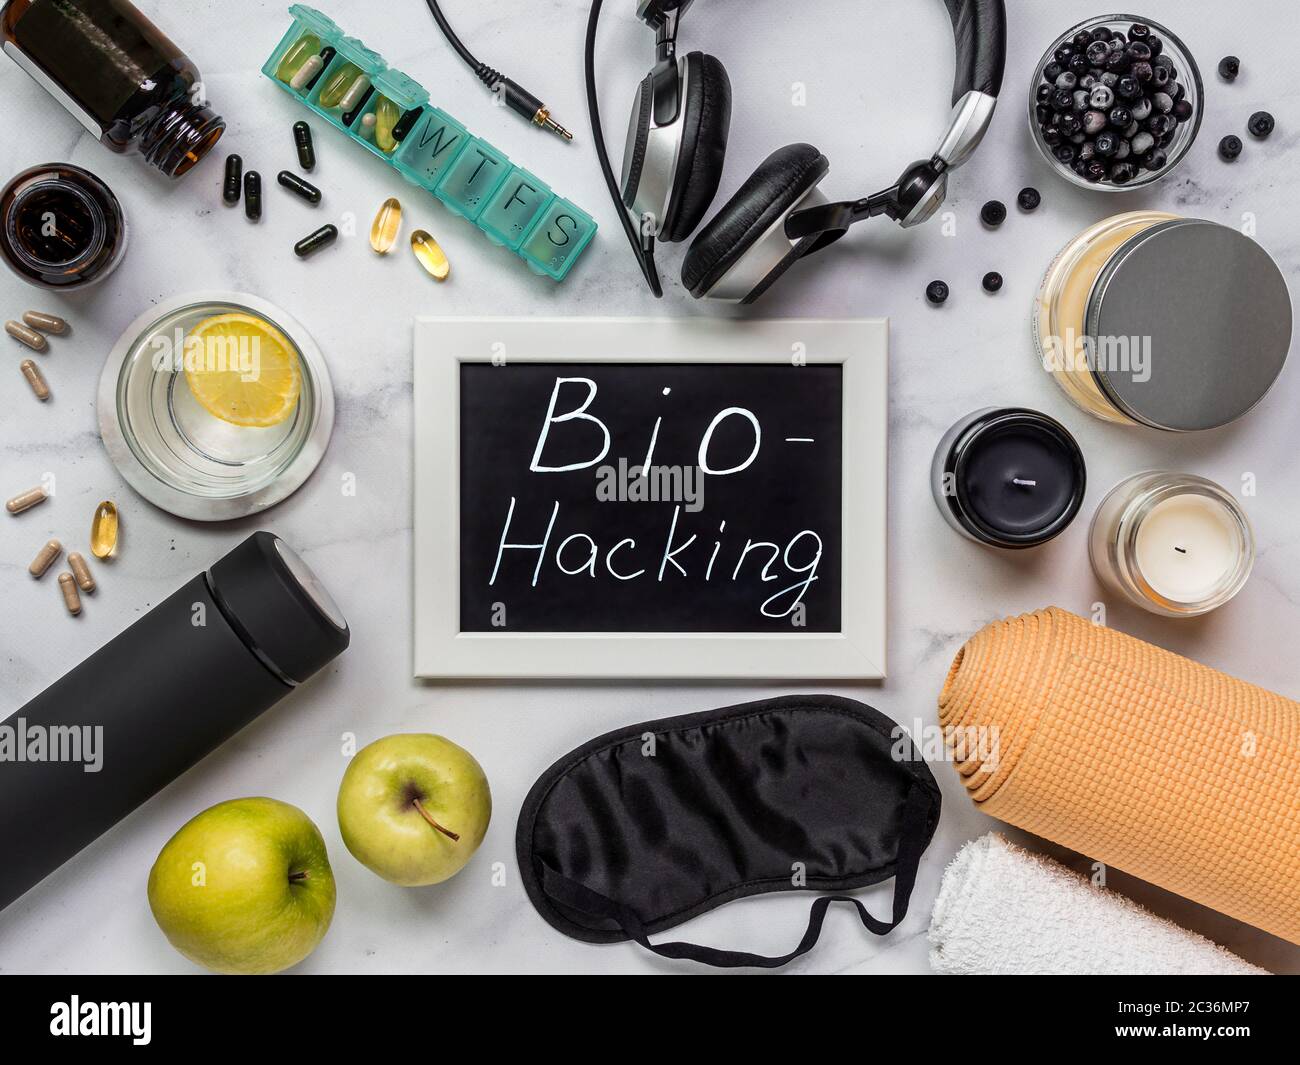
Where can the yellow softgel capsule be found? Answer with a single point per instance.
(337, 86)
(431, 256)
(386, 226)
(387, 115)
(299, 52)
(103, 530)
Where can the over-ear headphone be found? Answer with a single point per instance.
(677, 141)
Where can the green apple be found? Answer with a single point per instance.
(414, 808)
(244, 887)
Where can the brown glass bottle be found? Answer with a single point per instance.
(60, 227)
(118, 74)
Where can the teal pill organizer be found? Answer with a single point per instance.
(391, 114)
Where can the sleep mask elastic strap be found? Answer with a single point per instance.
(911, 845)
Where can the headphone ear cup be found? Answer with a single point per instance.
(777, 185)
(706, 124)
(637, 138)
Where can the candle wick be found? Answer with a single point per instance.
(1024, 483)
(1181, 550)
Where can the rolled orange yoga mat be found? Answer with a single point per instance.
(1136, 757)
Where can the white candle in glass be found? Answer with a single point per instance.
(1174, 544)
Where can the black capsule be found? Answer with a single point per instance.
(313, 242)
(253, 195)
(1029, 198)
(407, 123)
(302, 141)
(348, 117)
(234, 179)
(992, 281)
(936, 292)
(305, 189)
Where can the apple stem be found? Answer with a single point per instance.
(455, 836)
(297, 876)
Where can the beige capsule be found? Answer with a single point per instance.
(77, 563)
(26, 500)
(45, 558)
(46, 323)
(71, 597)
(24, 335)
(36, 379)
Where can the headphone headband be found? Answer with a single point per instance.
(979, 33)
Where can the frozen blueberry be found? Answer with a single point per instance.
(992, 281)
(1260, 125)
(1102, 97)
(1029, 198)
(1106, 144)
(1139, 31)
(1229, 148)
(1097, 53)
(1064, 153)
(1128, 88)
(1140, 109)
(1122, 173)
(1142, 143)
(993, 213)
(1229, 67)
(1120, 117)
(1094, 122)
(936, 292)
(1182, 110)
(1067, 79)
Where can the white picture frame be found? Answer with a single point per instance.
(442, 651)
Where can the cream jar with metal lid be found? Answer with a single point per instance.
(1174, 323)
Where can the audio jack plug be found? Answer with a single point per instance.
(524, 103)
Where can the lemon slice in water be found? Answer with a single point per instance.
(243, 370)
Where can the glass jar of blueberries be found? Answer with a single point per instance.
(1115, 103)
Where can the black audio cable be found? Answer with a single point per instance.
(516, 97)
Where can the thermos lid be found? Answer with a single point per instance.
(278, 607)
(1192, 322)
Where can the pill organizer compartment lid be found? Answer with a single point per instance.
(401, 88)
(316, 21)
(370, 63)
(1193, 324)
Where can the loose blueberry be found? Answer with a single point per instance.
(992, 281)
(1230, 148)
(993, 213)
(936, 292)
(1029, 198)
(1229, 67)
(1260, 125)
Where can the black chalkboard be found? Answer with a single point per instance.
(767, 548)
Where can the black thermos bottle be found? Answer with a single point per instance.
(187, 676)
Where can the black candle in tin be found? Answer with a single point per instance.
(1008, 477)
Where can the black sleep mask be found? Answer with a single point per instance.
(648, 826)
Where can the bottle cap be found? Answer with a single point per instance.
(278, 607)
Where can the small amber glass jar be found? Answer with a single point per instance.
(61, 227)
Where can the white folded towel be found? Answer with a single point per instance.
(1002, 909)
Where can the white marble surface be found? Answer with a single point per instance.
(91, 916)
